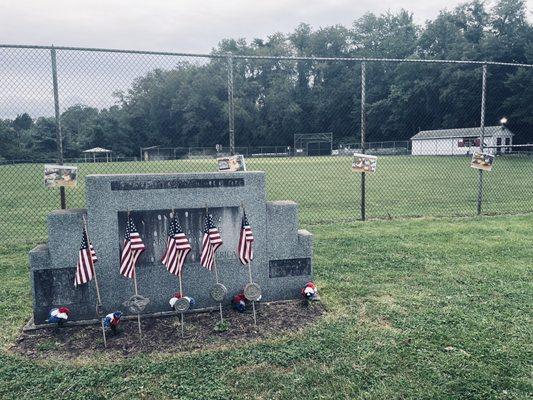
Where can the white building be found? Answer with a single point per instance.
(461, 141)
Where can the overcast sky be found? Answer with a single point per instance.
(181, 25)
(166, 25)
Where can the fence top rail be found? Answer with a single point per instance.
(257, 57)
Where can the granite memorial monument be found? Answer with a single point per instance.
(283, 254)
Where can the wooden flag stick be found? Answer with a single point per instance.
(216, 277)
(250, 275)
(98, 298)
(215, 268)
(182, 315)
(251, 281)
(181, 288)
(138, 313)
(136, 290)
(255, 316)
(250, 271)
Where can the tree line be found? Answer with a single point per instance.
(187, 105)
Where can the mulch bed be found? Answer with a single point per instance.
(163, 334)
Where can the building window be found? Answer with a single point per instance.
(469, 142)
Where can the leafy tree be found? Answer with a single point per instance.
(22, 122)
(187, 104)
(44, 139)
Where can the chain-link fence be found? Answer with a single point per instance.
(300, 119)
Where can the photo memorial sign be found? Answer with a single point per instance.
(232, 163)
(60, 175)
(482, 161)
(364, 163)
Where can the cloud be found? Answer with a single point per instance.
(180, 25)
(177, 25)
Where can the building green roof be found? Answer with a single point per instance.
(462, 132)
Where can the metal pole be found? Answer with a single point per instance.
(231, 106)
(58, 123)
(363, 136)
(482, 138)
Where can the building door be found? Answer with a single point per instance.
(498, 144)
(507, 143)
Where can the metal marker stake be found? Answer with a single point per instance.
(99, 300)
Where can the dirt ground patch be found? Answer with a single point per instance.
(164, 334)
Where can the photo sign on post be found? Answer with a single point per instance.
(364, 163)
(231, 163)
(482, 161)
(60, 175)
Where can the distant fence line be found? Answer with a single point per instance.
(325, 188)
(268, 57)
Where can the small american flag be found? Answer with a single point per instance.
(210, 243)
(86, 260)
(178, 247)
(246, 250)
(133, 247)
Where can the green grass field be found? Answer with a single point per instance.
(418, 309)
(325, 188)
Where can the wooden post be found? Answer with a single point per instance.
(136, 292)
(250, 277)
(182, 315)
(216, 278)
(253, 301)
(98, 298)
(138, 313)
(215, 269)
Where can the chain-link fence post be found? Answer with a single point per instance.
(482, 138)
(363, 135)
(58, 123)
(231, 106)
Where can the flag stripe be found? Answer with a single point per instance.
(246, 239)
(178, 247)
(86, 259)
(131, 250)
(211, 241)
